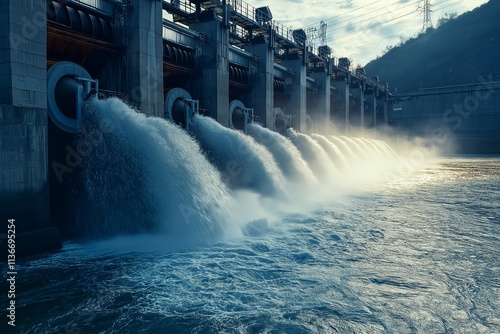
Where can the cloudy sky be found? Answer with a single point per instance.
(362, 29)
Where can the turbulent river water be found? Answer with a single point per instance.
(413, 250)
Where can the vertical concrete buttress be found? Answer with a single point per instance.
(262, 82)
(342, 86)
(321, 114)
(373, 109)
(214, 66)
(143, 57)
(385, 108)
(297, 91)
(359, 116)
(24, 192)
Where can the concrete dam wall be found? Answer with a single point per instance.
(227, 60)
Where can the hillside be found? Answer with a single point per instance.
(457, 52)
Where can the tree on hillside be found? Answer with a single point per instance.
(447, 17)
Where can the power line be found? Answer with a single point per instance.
(382, 23)
(334, 17)
(393, 19)
(376, 25)
(373, 17)
(367, 13)
(448, 5)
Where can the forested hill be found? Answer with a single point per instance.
(457, 52)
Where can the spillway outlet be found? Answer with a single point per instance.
(281, 121)
(68, 87)
(240, 116)
(183, 111)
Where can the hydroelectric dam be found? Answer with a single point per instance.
(224, 60)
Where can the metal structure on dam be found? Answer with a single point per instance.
(229, 60)
(465, 117)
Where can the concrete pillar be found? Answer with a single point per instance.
(372, 109)
(142, 68)
(358, 115)
(214, 65)
(385, 109)
(342, 87)
(321, 112)
(382, 105)
(23, 126)
(297, 90)
(262, 83)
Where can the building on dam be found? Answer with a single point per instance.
(225, 59)
(463, 118)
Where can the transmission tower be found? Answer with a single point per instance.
(322, 33)
(426, 9)
(314, 34)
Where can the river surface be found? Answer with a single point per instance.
(412, 252)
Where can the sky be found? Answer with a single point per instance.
(361, 29)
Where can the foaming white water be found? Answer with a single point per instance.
(367, 147)
(355, 147)
(285, 153)
(382, 147)
(242, 162)
(374, 147)
(346, 149)
(332, 150)
(314, 154)
(390, 149)
(364, 160)
(363, 266)
(148, 175)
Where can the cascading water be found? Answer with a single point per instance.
(285, 153)
(242, 162)
(147, 175)
(355, 147)
(332, 150)
(370, 152)
(375, 148)
(390, 149)
(314, 154)
(346, 149)
(343, 256)
(383, 148)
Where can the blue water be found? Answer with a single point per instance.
(375, 248)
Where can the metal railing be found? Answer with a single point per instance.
(107, 6)
(361, 76)
(185, 6)
(243, 8)
(249, 12)
(283, 31)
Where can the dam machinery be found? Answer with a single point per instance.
(172, 59)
